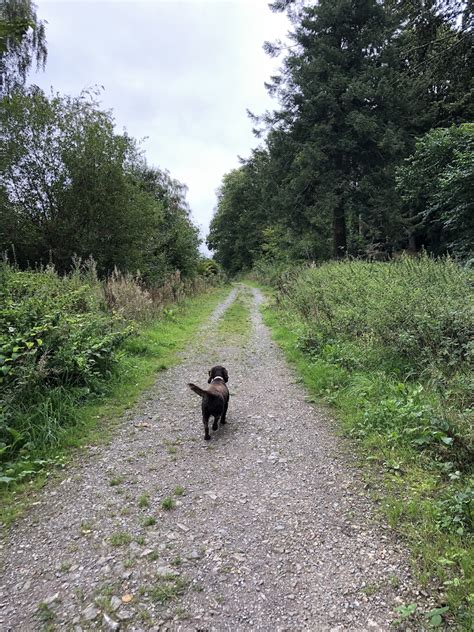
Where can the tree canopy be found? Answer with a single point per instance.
(359, 82)
(71, 185)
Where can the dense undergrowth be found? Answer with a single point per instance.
(390, 345)
(71, 344)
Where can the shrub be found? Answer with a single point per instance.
(58, 343)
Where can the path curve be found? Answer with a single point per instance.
(273, 531)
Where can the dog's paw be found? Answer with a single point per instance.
(207, 438)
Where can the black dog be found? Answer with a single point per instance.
(215, 399)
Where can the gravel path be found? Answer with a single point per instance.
(271, 528)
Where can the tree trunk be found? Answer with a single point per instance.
(339, 241)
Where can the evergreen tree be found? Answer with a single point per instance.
(339, 111)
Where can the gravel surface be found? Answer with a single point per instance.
(271, 528)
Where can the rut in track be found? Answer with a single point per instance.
(273, 530)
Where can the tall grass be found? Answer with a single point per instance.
(417, 308)
(391, 346)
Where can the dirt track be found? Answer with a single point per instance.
(273, 530)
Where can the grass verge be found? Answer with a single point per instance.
(153, 349)
(424, 498)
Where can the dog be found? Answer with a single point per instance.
(215, 399)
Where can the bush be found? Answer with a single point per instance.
(61, 342)
(56, 337)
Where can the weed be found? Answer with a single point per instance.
(149, 521)
(120, 538)
(235, 322)
(86, 527)
(45, 612)
(144, 501)
(168, 503)
(166, 588)
(144, 616)
(370, 589)
(118, 480)
(178, 490)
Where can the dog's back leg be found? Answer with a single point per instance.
(205, 421)
(216, 422)
(223, 421)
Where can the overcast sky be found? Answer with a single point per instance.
(180, 73)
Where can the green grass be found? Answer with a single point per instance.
(419, 483)
(144, 501)
(235, 323)
(166, 588)
(121, 538)
(168, 503)
(153, 349)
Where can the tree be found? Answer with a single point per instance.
(360, 81)
(22, 41)
(339, 110)
(71, 185)
(175, 243)
(437, 183)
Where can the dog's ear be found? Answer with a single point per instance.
(226, 376)
(210, 377)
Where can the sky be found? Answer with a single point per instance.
(178, 74)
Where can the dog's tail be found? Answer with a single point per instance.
(197, 389)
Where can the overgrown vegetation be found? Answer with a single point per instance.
(68, 342)
(104, 258)
(390, 345)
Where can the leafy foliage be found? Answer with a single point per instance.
(57, 343)
(62, 339)
(436, 183)
(22, 40)
(71, 186)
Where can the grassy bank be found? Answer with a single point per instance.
(389, 345)
(72, 365)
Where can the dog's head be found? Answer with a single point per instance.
(218, 371)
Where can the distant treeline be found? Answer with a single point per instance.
(371, 150)
(70, 186)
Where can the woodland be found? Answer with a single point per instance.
(370, 151)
